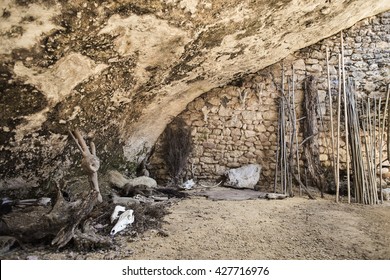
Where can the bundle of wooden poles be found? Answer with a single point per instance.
(366, 141)
(364, 122)
(287, 155)
(364, 129)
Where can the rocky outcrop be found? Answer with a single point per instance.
(120, 70)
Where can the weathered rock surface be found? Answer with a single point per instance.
(142, 181)
(120, 70)
(243, 177)
(120, 181)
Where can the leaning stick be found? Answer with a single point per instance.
(370, 150)
(296, 130)
(365, 130)
(388, 125)
(292, 117)
(291, 137)
(375, 186)
(346, 118)
(331, 112)
(383, 131)
(277, 151)
(381, 127)
(286, 174)
(283, 157)
(338, 135)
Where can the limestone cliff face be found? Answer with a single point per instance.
(120, 70)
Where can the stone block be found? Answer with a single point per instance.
(215, 101)
(248, 115)
(260, 128)
(209, 160)
(236, 132)
(299, 65)
(209, 145)
(226, 132)
(198, 123)
(249, 133)
(224, 112)
(318, 55)
(315, 68)
(270, 115)
(198, 104)
(369, 86)
(323, 157)
(311, 61)
(236, 154)
(271, 129)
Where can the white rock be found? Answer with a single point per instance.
(243, 177)
(386, 194)
(118, 180)
(144, 181)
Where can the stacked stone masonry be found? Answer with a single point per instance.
(237, 124)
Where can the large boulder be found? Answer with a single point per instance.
(244, 177)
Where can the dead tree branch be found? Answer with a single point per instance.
(90, 162)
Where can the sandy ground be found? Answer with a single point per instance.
(293, 228)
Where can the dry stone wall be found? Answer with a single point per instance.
(237, 124)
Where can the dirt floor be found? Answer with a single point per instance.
(292, 228)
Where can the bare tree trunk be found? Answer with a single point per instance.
(64, 218)
(90, 162)
(310, 132)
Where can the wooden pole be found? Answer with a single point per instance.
(277, 151)
(388, 123)
(331, 113)
(381, 131)
(354, 133)
(284, 146)
(365, 198)
(338, 135)
(374, 139)
(346, 118)
(285, 168)
(291, 138)
(296, 130)
(388, 131)
(370, 152)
